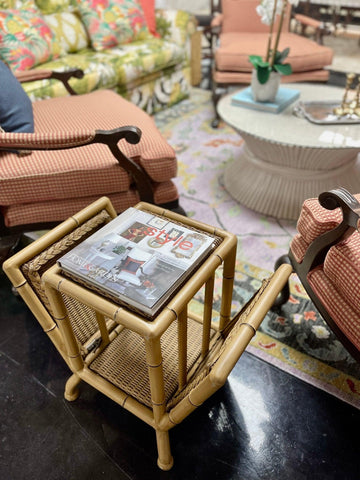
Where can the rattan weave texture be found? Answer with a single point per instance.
(34, 269)
(123, 362)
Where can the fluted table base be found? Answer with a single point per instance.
(278, 190)
(286, 158)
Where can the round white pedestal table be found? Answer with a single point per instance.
(286, 159)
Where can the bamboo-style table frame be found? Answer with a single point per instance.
(57, 284)
(220, 345)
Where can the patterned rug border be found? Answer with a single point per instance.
(310, 370)
(300, 365)
(303, 366)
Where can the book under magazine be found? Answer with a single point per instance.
(139, 259)
(284, 97)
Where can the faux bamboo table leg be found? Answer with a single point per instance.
(165, 460)
(227, 289)
(156, 378)
(71, 388)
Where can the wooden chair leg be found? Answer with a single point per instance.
(215, 99)
(72, 391)
(165, 459)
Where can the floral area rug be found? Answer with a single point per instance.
(293, 337)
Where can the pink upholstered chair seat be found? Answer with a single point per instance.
(41, 212)
(239, 32)
(52, 184)
(336, 280)
(233, 52)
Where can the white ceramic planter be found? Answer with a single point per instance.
(265, 92)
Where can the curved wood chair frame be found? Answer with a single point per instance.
(316, 253)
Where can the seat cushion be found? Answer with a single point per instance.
(245, 77)
(314, 220)
(235, 48)
(58, 210)
(73, 173)
(339, 308)
(342, 267)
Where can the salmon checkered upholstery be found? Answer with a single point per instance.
(342, 267)
(57, 210)
(314, 220)
(339, 308)
(47, 185)
(336, 282)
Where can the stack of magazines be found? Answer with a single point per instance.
(139, 259)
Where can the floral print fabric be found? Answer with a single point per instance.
(69, 31)
(17, 4)
(113, 22)
(25, 39)
(55, 6)
(153, 74)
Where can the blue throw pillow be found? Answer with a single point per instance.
(16, 113)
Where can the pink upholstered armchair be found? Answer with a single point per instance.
(83, 147)
(240, 33)
(325, 254)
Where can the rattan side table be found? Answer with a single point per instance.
(160, 370)
(142, 364)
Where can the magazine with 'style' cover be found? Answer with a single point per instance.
(139, 258)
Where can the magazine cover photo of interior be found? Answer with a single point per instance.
(139, 258)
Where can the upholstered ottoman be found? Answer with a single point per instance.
(326, 256)
(49, 185)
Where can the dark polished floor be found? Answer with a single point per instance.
(264, 424)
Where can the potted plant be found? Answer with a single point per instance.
(267, 72)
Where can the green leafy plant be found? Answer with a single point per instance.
(264, 68)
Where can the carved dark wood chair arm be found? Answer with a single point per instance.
(315, 256)
(66, 140)
(64, 77)
(337, 198)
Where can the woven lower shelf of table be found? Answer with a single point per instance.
(123, 362)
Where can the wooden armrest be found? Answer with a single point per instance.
(340, 197)
(64, 77)
(45, 141)
(66, 140)
(317, 250)
(217, 20)
(320, 27)
(311, 22)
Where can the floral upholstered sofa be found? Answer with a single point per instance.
(127, 46)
